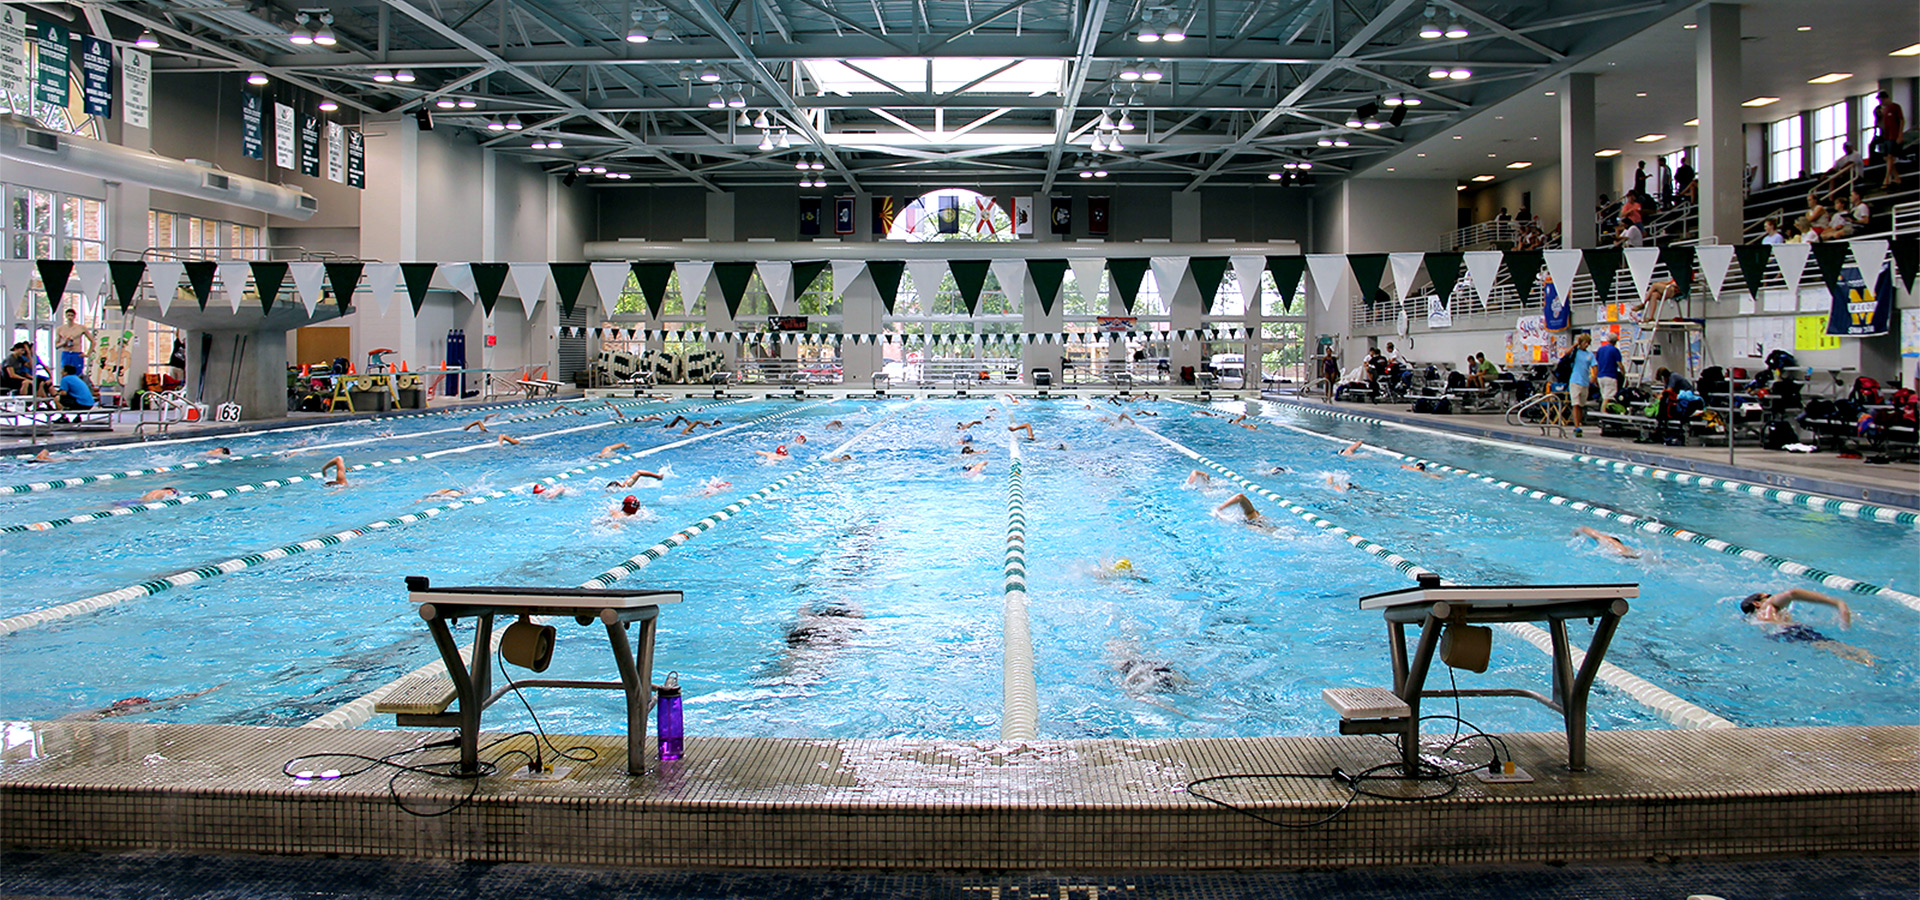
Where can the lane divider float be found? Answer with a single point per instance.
(1019, 694)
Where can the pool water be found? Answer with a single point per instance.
(864, 598)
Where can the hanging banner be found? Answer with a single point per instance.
(1060, 214)
(1483, 267)
(1438, 316)
(310, 145)
(609, 280)
(843, 215)
(883, 209)
(1862, 304)
(253, 140)
(1099, 210)
(1556, 310)
(356, 159)
(1023, 215)
(50, 82)
(284, 137)
(949, 221)
(14, 79)
(336, 152)
(809, 215)
(136, 90)
(1405, 267)
(96, 76)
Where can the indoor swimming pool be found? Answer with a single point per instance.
(859, 592)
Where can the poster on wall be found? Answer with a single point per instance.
(136, 90)
(1023, 215)
(50, 82)
(1910, 333)
(843, 215)
(96, 76)
(284, 128)
(336, 152)
(1858, 311)
(310, 144)
(356, 159)
(1532, 342)
(14, 80)
(253, 139)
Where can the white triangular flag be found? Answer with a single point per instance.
(693, 280)
(166, 281)
(233, 281)
(1483, 268)
(382, 280)
(530, 280)
(777, 277)
(1086, 274)
(1329, 273)
(1640, 262)
(307, 278)
(844, 272)
(16, 276)
(1246, 271)
(1792, 259)
(92, 277)
(1012, 275)
(1871, 256)
(458, 278)
(609, 279)
(1167, 272)
(1405, 267)
(1714, 260)
(926, 280)
(1562, 266)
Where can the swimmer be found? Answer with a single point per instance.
(477, 423)
(1421, 467)
(629, 506)
(844, 457)
(1608, 541)
(775, 455)
(1146, 412)
(218, 452)
(1342, 485)
(1028, 428)
(617, 412)
(545, 492)
(714, 486)
(339, 466)
(1771, 609)
(444, 494)
(1118, 569)
(649, 417)
(969, 448)
(509, 439)
(1276, 470)
(45, 457)
(1248, 513)
(975, 469)
(635, 477)
(158, 494)
(1060, 446)
(966, 425)
(696, 423)
(1352, 449)
(678, 421)
(835, 425)
(610, 450)
(799, 439)
(1124, 419)
(1198, 479)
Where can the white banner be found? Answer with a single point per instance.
(1640, 262)
(1012, 275)
(458, 277)
(166, 282)
(1792, 259)
(92, 277)
(694, 276)
(136, 81)
(1022, 214)
(1086, 274)
(926, 280)
(609, 279)
(336, 153)
(233, 281)
(286, 137)
(1167, 273)
(1562, 266)
(1871, 257)
(14, 79)
(16, 276)
(844, 272)
(307, 279)
(1246, 271)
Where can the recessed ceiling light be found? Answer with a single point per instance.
(1691, 26)
(1908, 50)
(1421, 155)
(1483, 177)
(1391, 169)
(1649, 138)
(1459, 187)
(1610, 151)
(1639, 93)
(1692, 123)
(329, 106)
(1804, 28)
(1456, 137)
(1830, 78)
(1492, 155)
(1761, 101)
(1518, 165)
(1552, 93)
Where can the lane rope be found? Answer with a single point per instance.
(1664, 703)
(1019, 694)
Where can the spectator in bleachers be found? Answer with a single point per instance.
(1632, 210)
(1503, 217)
(1844, 175)
(1526, 215)
(1770, 233)
(1817, 218)
(1686, 186)
(1631, 236)
(1640, 178)
(1663, 182)
(1850, 219)
(1889, 124)
(1604, 213)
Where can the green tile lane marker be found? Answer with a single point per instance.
(1663, 703)
(1019, 694)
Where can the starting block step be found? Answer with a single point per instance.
(1366, 703)
(421, 695)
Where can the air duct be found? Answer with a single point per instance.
(29, 143)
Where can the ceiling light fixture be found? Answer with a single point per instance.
(1692, 123)
(1174, 33)
(1456, 29)
(599, 170)
(1086, 173)
(537, 145)
(1908, 50)
(709, 74)
(802, 164)
(467, 103)
(328, 106)
(766, 140)
(817, 165)
(383, 76)
(760, 120)
(496, 125)
(1438, 73)
(1460, 74)
(147, 40)
(1341, 142)
(1760, 101)
(743, 120)
(1099, 173)
(1126, 122)
(583, 167)
(444, 103)
(1324, 142)
(1099, 141)
(257, 79)
(1130, 71)
(1430, 27)
(1113, 142)
(1306, 165)
(554, 145)
(1151, 72)
(1518, 165)
(300, 33)
(1649, 138)
(1148, 34)
(404, 76)
(718, 100)
(637, 33)
(513, 123)
(1830, 78)
(1483, 177)
(784, 142)
(1610, 151)
(738, 100)
(324, 34)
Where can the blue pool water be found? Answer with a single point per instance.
(865, 598)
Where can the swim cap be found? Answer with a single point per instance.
(630, 504)
(539, 488)
(780, 450)
(1123, 564)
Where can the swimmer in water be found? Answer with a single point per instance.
(218, 452)
(1351, 449)
(966, 425)
(444, 494)
(1119, 569)
(1248, 512)
(617, 412)
(777, 454)
(1277, 470)
(649, 417)
(1771, 609)
(1421, 467)
(969, 448)
(506, 439)
(339, 467)
(974, 469)
(629, 507)
(45, 457)
(1608, 542)
(158, 494)
(610, 450)
(799, 439)
(1028, 428)
(714, 486)
(477, 423)
(698, 424)
(835, 425)
(549, 492)
(844, 457)
(1198, 479)
(1342, 485)
(635, 477)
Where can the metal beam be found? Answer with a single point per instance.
(1094, 13)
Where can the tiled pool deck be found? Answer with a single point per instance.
(1079, 806)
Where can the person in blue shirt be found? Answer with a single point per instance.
(74, 392)
(1581, 379)
(1608, 369)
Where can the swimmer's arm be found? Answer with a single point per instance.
(1781, 600)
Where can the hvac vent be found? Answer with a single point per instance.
(40, 140)
(215, 181)
(309, 203)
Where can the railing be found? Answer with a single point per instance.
(1906, 218)
(1484, 233)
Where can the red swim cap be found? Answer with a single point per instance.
(781, 450)
(630, 504)
(539, 488)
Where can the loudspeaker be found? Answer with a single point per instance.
(1466, 647)
(568, 179)
(423, 118)
(527, 645)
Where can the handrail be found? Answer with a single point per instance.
(1515, 411)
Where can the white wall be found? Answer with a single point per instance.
(1373, 215)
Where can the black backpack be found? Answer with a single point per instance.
(1778, 434)
(1563, 370)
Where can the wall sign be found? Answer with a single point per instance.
(96, 76)
(253, 112)
(14, 80)
(310, 144)
(356, 159)
(136, 89)
(50, 84)
(284, 136)
(336, 152)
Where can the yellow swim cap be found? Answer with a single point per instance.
(1123, 564)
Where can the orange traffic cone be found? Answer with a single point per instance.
(403, 365)
(306, 370)
(350, 370)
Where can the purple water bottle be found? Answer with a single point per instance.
(670, 727)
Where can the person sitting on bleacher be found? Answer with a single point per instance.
(74, 392)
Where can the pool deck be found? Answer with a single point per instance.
(1096, 805)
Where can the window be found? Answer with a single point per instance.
(1863, 135)
(191, 237)
(50, 225)
(72, 118)
(1783, 150)
(1829, 133)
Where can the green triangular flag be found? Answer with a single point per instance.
(126, 280)
(417, 275)
(53, 278)
(1906, 258)
(345, 278)
(886, 278)
(1444, 269)
(488, 278)
(568, 279)
(805, 274)
(1367, 269)
(1831, 257)
(1602, 263)
(1126, 275)
(734, 278)
(267, 279)
(652, 279)
(1753, 266)
(1524, 266)
(1207, 272)
(1679, 262)
(970, 276)
(1047, 275)
(1286, 276)
(200, 277)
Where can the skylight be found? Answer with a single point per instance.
(1001, 75)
